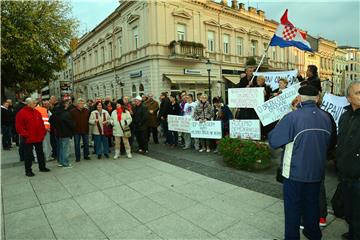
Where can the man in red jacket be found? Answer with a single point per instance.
(30, 126)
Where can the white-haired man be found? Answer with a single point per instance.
(29, 124)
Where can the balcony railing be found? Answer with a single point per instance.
(185, 49)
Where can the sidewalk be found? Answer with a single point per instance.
(139, 198)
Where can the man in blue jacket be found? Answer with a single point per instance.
(306, 136)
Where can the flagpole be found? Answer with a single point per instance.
(261, 61)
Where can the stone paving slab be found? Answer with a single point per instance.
(139, 198)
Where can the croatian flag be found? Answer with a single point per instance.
(287, 35)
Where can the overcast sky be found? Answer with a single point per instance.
(334, 20)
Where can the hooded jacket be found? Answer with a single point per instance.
(306, 134)
(29, 125)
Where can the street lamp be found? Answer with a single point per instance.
(208, 68)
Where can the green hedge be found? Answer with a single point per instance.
(245, 154)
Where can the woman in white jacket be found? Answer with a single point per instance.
(121, 119)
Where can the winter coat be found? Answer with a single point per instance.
(153, 119)
(348, 147)
(203, 111)
(81, 119)
(6, 117)
(224, 115)
(244, 82)
(125, 122)
(164, 108)
(174, 109)
(64, 124)
(313, 81)
(140, 117)
(306, 134)
(95, 129)
(29, 125)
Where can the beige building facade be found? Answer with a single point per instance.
(338, 79)
(156, 46)
(353, 64)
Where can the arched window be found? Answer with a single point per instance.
(141, 89)
(133, 91)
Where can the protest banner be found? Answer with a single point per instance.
(334, 105)
(275, 108)
(245, 129)
(208, 129)
(272, 78)
(179, 123)
(245, 97)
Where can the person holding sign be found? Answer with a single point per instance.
(204, 112)
(306, 135)
(348, 159)
(260, 82)
(222, 113)
(174, 109)
(282, 86)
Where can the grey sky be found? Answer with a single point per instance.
(334, 20)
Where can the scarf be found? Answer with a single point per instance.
(119, 113)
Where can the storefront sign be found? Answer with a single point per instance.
(245, 129)
(246, 97)
(208, 129)
(275, 108)
(179, 123)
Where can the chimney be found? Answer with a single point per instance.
(242, 6)
(261, 13)
(252, 9)
(234, 4)
(223, 2)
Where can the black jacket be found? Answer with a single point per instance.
(164, 107)
(244, 82)
(313, 81)
(140, 117)
(63, 123)
(348, 147)
(6, 117)
(174, 109)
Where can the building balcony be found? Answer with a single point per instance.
(186, 50)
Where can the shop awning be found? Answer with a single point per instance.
(232, 78)
(188, 79)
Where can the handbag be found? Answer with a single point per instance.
(337, 201)
(126, 131)
(108, 128)
(279, 176)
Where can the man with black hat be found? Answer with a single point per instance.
(305, 134)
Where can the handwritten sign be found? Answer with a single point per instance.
(179, 123)
(246, 129)
(208, 129)
(334, 105)
(275, 108)
(246, 97)
(272, 78)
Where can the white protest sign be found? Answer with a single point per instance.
(275, 108)
(246, 129)
(179, 123)
(245, 97)
(272, 78)
(208, 129)
(334, 105)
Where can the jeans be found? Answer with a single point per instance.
(101, 144)
(54, 145)
(6, 136)
(173, 138)
(64, 151)
(85, 139)
(165, 128)
(301, 200)
(29, 157)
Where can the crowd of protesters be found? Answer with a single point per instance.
(43, 131)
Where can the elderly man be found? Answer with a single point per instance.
(348, 159)
(30, 126)
(153, 123)
(81, 115)
(306, 135)
(140, 120)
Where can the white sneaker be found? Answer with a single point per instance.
(202, 150)
(129, 155)
(208, 150)
(116, 156)
(59, 165)
(69, 166)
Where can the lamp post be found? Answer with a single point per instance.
(208, 68)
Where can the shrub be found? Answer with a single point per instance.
(245, 154)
